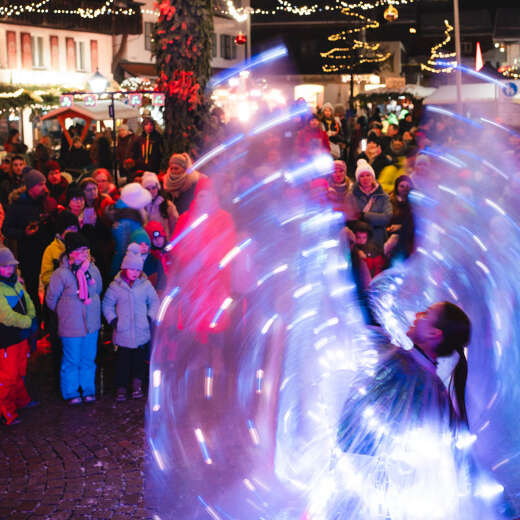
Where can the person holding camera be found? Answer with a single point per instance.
(30, 221)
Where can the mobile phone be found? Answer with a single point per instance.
(363, 145)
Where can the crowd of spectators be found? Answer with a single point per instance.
(82, 255)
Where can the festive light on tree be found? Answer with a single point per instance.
(359, 52)
(441, 62)
(391, 14)
(182, 46)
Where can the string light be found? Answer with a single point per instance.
(367, 23)
(14, 94)
(42, 7)
(510, 72)
(346, 53)
(436, 57)
(240, 15)
(332, 54)
(307, 10)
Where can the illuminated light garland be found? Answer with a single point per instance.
(42, 7)
(367, 24)
(432, 65)
(357, 45)
(376, 59)
(510, 72)
(88, 13)
(288, 7)
(15, 94)
(344, 53)
(240, 15)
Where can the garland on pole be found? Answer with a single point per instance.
(440, 61)
(15, 97)
(360, 52)
(182, 46)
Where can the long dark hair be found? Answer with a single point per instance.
(456, 332)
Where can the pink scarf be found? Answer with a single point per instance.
(83, 283)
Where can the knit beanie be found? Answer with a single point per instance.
(7, 257)
(181, 159)
(135, 196)
(52, 165)
(139, 236)
(341, 164)
(150, 179)
(363, 166)
(64, 220)
(33, 177)
(75, 241)
(133, 258)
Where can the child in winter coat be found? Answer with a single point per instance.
(158, 238)
(152, 267)
(73, 292)
(129, 305)
(16, 316)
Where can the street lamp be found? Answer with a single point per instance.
(97, 83)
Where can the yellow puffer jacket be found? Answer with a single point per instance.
(51, 260)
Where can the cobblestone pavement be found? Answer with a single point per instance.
(83, 462)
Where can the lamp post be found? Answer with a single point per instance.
(458, 72)
(98, 84)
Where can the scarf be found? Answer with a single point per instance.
(176, 184)
(146, 149)
(83, 280)
(339, 187)
(11, 281)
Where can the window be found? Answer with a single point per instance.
(81, 61)
(467, 48)
(228, 49)
(148, 35)
(37, 52)
(214, 45)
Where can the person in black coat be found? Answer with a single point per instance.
(30, 221)
(147, 150)
(77, 158)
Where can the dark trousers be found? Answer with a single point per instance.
(31, 277)
(130, 364)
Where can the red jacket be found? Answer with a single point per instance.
(312, 141)
(204, 282)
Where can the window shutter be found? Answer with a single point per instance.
(55, 53)
(71, 54)
(12, 53)
(94, 62)
(26, 50)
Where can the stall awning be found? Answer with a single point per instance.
(99, 112)
(471, 93)
(139, 69)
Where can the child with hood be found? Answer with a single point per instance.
(159, 241)
(130, 305)
(16, 318)
(73, 293)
